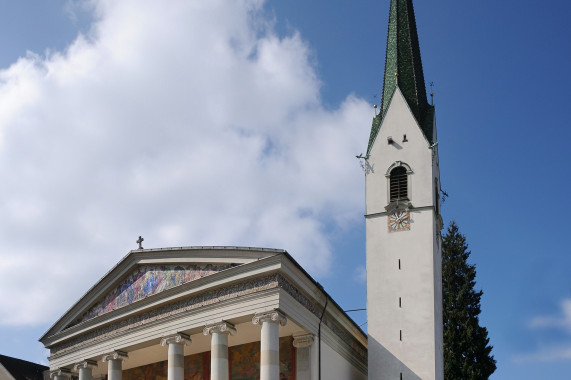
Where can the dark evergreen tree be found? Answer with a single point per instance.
(467, 353)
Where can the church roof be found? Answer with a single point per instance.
(22, 369)
(403, 69)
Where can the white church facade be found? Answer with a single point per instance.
(206, 313)
(221, 313)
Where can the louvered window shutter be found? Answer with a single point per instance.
(399, 184)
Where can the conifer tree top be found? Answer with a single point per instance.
(467, 349)
(403, 69)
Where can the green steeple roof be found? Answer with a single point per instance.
(403, 69)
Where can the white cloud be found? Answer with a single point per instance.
(562, 321)
(360, 274)
(187, 122)
(546, 354)
(553, 351)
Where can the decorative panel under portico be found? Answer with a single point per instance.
(196, 367)
(244, 362)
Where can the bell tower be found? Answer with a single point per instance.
(403, 222)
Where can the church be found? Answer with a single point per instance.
(241, 313)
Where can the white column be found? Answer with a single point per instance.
(84, 369)
(176, 345)
(219, 349)
(306, 360)
(270, 343)
(60, 374)
(115, 364)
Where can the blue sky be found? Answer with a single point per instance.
(501, 78)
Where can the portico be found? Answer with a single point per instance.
(205, 313)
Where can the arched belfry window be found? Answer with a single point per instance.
(399, 183)
(398, 186)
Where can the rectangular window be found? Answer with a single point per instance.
(399, 264)
(400, 302)
(400, 335)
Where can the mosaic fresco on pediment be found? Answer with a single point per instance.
(147, 280)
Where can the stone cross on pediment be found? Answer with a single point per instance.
(140, 241)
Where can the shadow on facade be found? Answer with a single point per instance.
(377, 370)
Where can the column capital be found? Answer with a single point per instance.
(220, 327)
(274, 316)
(115, 355)
(85, 364)
(60, 372)
(302, 340)
(178, 338)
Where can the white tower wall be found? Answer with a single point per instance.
(404, 304)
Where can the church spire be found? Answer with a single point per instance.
(403, 68)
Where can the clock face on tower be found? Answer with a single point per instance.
(398, 220)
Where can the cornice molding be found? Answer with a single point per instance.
(250, 287)
(174, 309)
(411, 209)
(357, 349)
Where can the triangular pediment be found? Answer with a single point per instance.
(145, 274)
